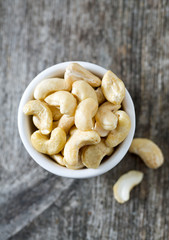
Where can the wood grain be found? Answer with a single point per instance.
(132, 39)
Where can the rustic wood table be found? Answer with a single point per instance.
(132, 39)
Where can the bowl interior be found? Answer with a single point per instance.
(26, 127)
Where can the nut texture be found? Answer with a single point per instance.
(106, 117)
(101, 131)
(100, 97)
(48, 86)
(66, 122)
(75, 142)
(42, 112)
(116, 136)
(93, 155)
(148, 151)
(83, 90)
(125, 184)
(85, 112)
(113, 88)
(49, 146)
(58, 158)
(64, 100)
(75, 72)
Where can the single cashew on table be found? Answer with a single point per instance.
(148, 151)
(79, 117)
(125, 184)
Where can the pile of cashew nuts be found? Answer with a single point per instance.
(79, 118)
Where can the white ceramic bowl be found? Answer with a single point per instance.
(25, 127)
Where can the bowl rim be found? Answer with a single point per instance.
(47, 163)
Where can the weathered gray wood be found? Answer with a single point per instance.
(132, 39)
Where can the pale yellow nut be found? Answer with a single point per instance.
(75, 142)
(82, 90)
(66, 122)
(42, 112)
(101, 131)
(75, 72)
(125, 184)
(93, 155)
(106, 116)
(113, 88)
(77, 166)
(48, 86)
(148, 151)
(63, 100)
(55, 112)
(58, 158)
(100, 97)
(73, 130)
(46, 145)
(56, 116)
(116, 136)
(84, 114)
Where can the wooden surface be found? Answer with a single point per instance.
(132, 39)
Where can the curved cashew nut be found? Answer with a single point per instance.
(83, 90)
(75, 142)
(66, 122)
(149, 152)
(113, 88)
(49, 146)
(105, 116)
(100, 97)
(125, 184)
(56, 116)
(75, 72)
(65, 100)
(84, 114)
(58, 158)
(101, 131)
(93, 155)
(48, 86)
(116, 136)
(43, 113)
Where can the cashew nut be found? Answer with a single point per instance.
(66, 122)
(83, 90)
(58, 158)
(93, 155)
(100, 97)
(125, 184)
(48, 86)
(75, 72)
(106, 117)
(113, 88)
(56, 116)
(148, 151)
(65, 100)
(73, 130)
(55, 112)
(84, 114)
(75, 142)
(43, 113)
(78, 165)
(101, 131)
(49, 146)
(116, 136)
